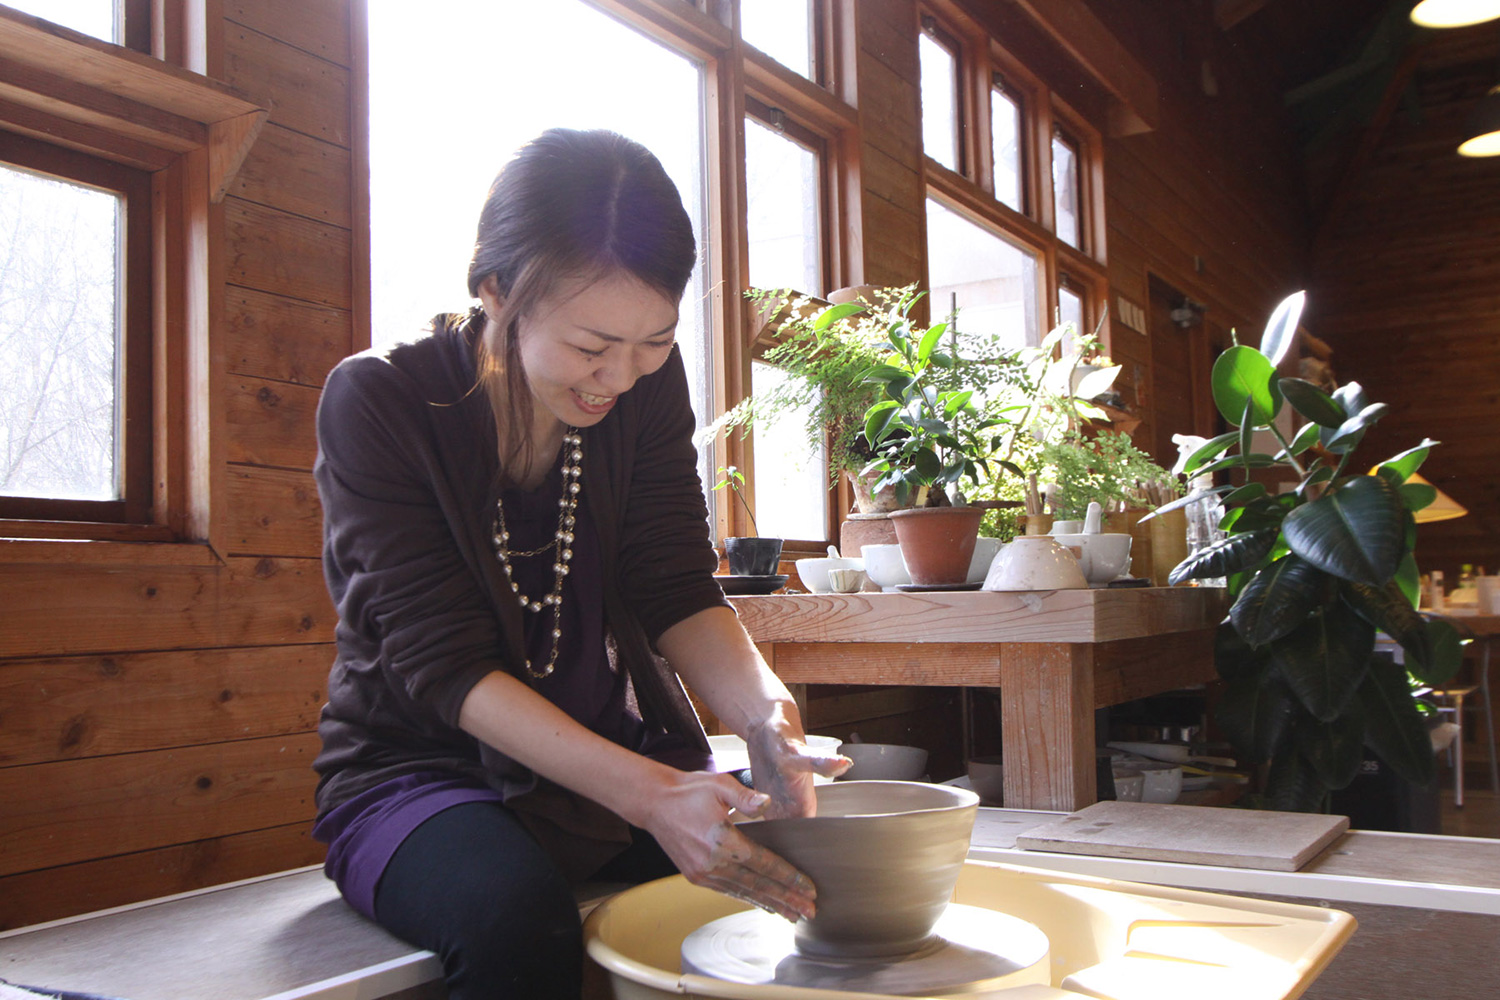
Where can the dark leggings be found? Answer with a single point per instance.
(473, 886)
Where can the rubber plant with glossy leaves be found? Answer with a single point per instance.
(1314, 573)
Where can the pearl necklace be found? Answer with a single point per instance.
(567, 505)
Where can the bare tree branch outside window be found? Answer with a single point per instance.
(59, 321)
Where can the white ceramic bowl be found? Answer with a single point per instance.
(884, 566)
(985, 551)
(885, 857)
(731, 754)
(884, 762)
(1130, 784)
(814, 572)
(1161, 783)
(987, 777)
(1105, 557)
(1035, 562)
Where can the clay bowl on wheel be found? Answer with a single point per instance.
(884, 856)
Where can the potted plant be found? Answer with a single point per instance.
(828, 350)
(1314, 573)
(747, 555)
(927, 435)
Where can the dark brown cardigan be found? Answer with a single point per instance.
(407, 471)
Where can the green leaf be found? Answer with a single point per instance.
(1409, 579)
(1278, 599)
(1281, 328)
(1351, 430)
(1394, 728)
(1324, 659)
(1183, 501)
(1255, 460)
(1387, 609)
(927, 464)
(1256, 712)
(1312, 402)
(1442, 654)
(1096, 383)
(1304, 439)
(1210, 449)
(1415, 496)
(930, 340)
(1246, 493)
(1335, 749)
(1410, 460)
(1228, 555)
(956, 402)
(1351, 396)
(878, 420)
(1244, 374)
(1355, 531)
(1247, 428)
(1317, 476)
(833, 314)
(1293, 785)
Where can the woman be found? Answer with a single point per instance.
(514, 527)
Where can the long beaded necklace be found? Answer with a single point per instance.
(567, 505)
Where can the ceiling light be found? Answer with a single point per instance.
(1454, 13)
(1483, 127)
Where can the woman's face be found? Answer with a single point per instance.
(588, 343)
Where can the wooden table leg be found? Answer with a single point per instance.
(1047, 725)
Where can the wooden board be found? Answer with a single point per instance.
(1236, 838)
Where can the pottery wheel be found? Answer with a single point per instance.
(973, 951)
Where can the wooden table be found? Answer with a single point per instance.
(1056, 656)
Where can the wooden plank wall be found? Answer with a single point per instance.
(1209, 202)
(1406, 289)
(157, 722)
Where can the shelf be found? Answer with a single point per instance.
(71, 90)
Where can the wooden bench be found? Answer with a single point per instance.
(278, 937)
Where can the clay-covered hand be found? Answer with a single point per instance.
(783, 766)
(690, 820)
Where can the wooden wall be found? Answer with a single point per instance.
(1406, 289)
(158, 704)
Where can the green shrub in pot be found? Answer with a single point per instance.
(1314, 573)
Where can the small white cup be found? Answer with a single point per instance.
(1489, 595)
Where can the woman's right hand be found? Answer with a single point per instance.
(689, 817)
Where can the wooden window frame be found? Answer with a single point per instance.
(133, 390)
(964, 152)
(972, 192)
(189, 134)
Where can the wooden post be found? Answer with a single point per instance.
(1047, 725)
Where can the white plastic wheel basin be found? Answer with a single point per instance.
(1110, 940)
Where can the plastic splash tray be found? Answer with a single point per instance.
(1110, 940)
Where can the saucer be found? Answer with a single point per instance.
(740, 585)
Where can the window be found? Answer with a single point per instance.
(785, 30)
(1003, 228)
(940, 105)
(75, 337)
(784, 229)
(1067, 198)
(1006, 128)
(419, 246)
(988, 281)
(1070, 310)
(122, 22)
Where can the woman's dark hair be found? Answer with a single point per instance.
(571, 206)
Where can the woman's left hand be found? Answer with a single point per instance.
(783, 766)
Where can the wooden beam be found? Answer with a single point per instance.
(1228, 13)
(1075, 28)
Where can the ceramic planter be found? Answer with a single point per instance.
(937, 543)
(752, 556)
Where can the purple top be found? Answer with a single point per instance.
(365, 831)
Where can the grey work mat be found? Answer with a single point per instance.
(1235, 838)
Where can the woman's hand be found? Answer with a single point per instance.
(783, 766)
(689, 817)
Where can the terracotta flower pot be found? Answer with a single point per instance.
(937, 543)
